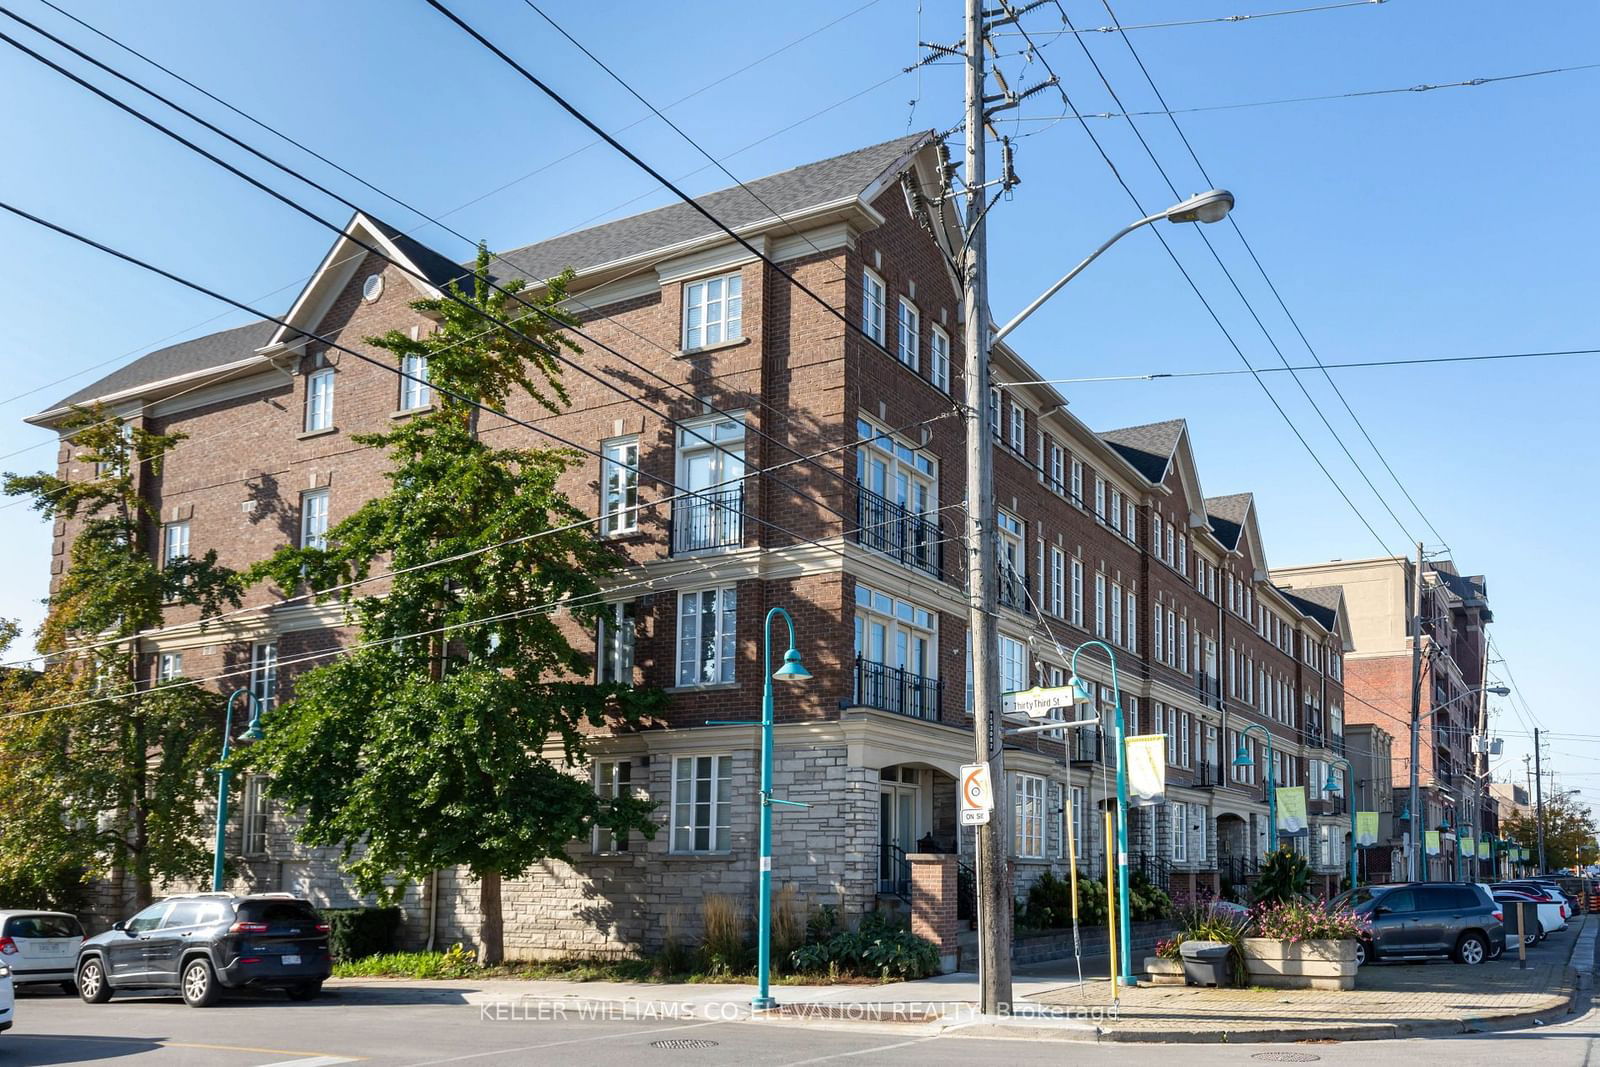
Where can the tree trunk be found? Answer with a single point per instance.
(491, 925)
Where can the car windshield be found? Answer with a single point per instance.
(38, 926)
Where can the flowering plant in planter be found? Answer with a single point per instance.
(1303, 920)
(1169, 949)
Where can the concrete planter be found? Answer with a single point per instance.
(1300, 964)
(1160, 971)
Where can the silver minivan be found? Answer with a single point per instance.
(41, 947)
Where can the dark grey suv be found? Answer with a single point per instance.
(203, 943)
(1420, 919)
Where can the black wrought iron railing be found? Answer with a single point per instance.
(710, 519)
(1083, 744)
(1208, 689)
(894, 872)
(1155, 870)
(888, 527)
(1207, 775)
(1012, 592)
(1237, 869)
(896, 689)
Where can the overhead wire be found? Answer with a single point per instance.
(1201, 21)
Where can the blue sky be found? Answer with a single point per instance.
(1458, 221)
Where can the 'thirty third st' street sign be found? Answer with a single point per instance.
(1036, 703)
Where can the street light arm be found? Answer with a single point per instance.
(1074, 272)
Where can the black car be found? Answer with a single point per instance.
(203, 943)
(1421, 919)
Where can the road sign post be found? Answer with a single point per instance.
(977, 794)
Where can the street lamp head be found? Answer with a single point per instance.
(1333, 783)
(792, 668)
(1242, 758)
(1082, 691)
(254, 733)
(1498, 690)
(1212, 206)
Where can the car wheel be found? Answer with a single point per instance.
(1363, 954)
(1542, 933)
(92, 985)
(199, 983)
(1495, 952)
(1529, 938)
(1471, 949)
(305, 991)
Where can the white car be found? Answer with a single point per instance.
(41, 947)
(7, 998)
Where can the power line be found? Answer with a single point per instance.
(1203, 22)
(1352, 95)
(552, 351)
(1234, 344)
(1272, 286)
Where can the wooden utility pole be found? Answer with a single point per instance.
(1418, 822)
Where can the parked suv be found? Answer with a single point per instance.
(1418, 919)
(204, 943)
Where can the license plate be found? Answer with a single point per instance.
(290, 961)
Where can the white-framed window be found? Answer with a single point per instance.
(1159, 726)
(1211, 582)
(1077, 481)
(711, 466)
(264, 674)
(619, 485)
(1058, 472)
(1099, 605)
(1019, 428)
(614, 637)
(613, 778)
(895, 633)
(713, 311)
(1133, 622)
(314, 519)
(1116, 510)
(1131, 527)
(415, 392)
(1179, 819)
(174, 542)
(253, 819)
(1078, 843)
(1155, 534)
(707, 636)
(169, 665)
(1172, 637)
(908, 346)
(939, 351)
(1058, 582)
(702, 789)
(872, 306)
(1183, 555)
(1013, 665)
(1077, 592)
(1183, 645)
(994, 411)
(1116, 614)
(1099, 497)
(1185, 729)
(319, 400)
(1170, 556)
(1028, 837)
(1156, 632)
(1059, 849)
(1013, 559)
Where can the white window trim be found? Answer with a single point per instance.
(319, 538)
(1028, 838)
(908, 354)
(604, 842)
(874, 311)
(726, 668)
(415, 394)
(319, 417)
(939, 351)
(617, 516)
(719, 803)
(728, 336)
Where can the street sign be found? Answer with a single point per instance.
(976, 793)
(1036, 703)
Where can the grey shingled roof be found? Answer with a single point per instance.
(185, 357)
(1319, 602)
(1149, 447)
(789, 192)
(1227, 514)
(786, 193)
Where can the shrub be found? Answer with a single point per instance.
(1204, 923)
(1284, 876)
(355, 933)
(725, 929)
(788, 932)
(1146, 901)
(1049, 903)
(1169, 949)
(884, 953)
(1299, 920)
(457, 962)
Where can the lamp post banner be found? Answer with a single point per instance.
(1147, 769)
(1292, 810)
(1366, 828)
(1465, 846)
(1483, 849)
(1430, 840)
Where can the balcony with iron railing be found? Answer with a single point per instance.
(877, 685)
(909, 537)
(1208, 689)
(1084, 744)
(1012, 590)
(708, 520)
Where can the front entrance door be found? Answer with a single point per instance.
(897, 829)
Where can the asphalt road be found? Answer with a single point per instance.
(417, 1025)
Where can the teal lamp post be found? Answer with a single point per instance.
(1085, 695)
(792, 670)
(1333, 787)
(225, 774)
(1242, 758)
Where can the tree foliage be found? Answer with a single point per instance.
(106, 773)
(424, 747)
(1569, 831)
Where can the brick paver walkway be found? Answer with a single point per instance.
(1391, 995)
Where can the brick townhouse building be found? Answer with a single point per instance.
(1455, 645)
(1103, 535)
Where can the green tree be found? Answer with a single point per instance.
(424, 747)
(1569, 831)
(112, 772)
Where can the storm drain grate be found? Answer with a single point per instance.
(1285, 1057)
(683, 1044)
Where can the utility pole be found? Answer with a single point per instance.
(1538, 798)
(1418, 822)
(993, 884)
